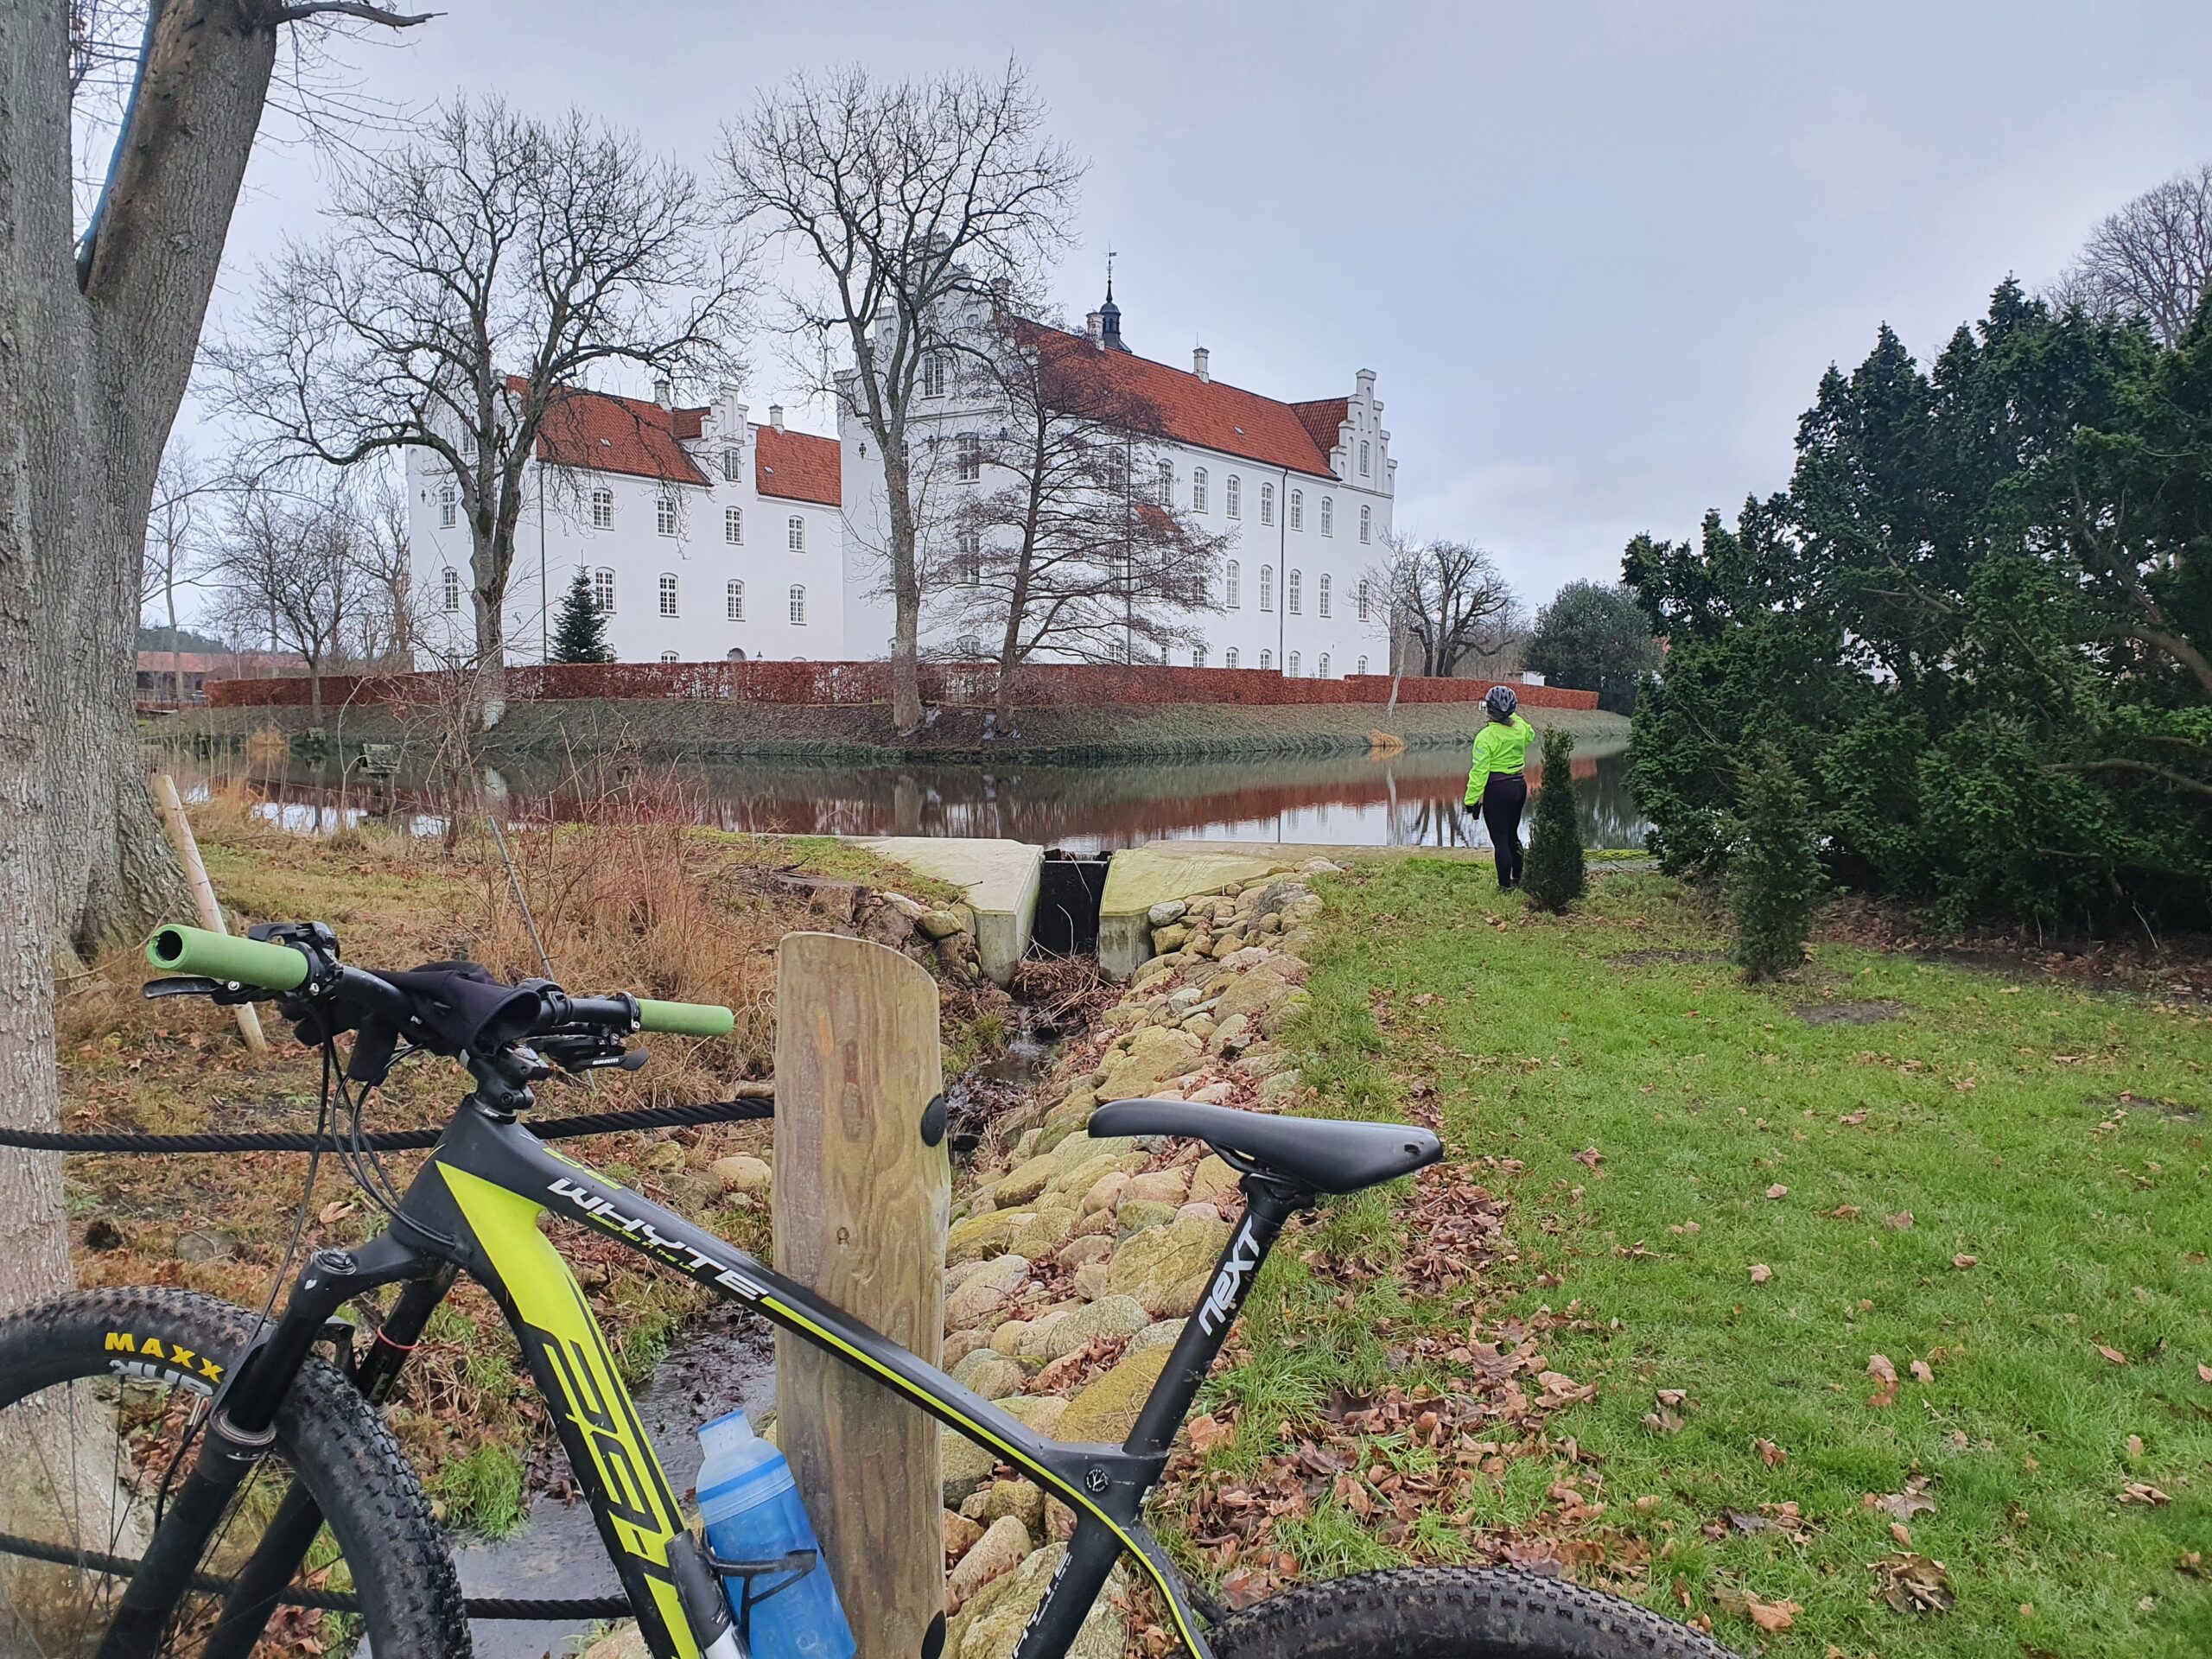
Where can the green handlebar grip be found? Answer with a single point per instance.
(179, 949)
(685, 1019)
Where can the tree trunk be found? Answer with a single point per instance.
(92, 365)
(489, 692)
(906, 600)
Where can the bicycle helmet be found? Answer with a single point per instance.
(1501, 702)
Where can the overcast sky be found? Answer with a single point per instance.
(1598, 255)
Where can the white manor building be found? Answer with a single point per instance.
(706, 537)
(710, 538)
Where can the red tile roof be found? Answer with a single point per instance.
(797, 466)
(1321, 418)
(1208, 414)
(600, 432)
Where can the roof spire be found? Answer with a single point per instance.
(1109, 314)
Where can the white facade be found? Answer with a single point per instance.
(699, 559)
(1303, 528)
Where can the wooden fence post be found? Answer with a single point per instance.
(171, 805)
(860, 1200)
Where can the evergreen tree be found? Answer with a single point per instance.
(579, 632)
(1775, 878)
(1596, 639)
(1552, 872)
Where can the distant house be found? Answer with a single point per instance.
(170, 679)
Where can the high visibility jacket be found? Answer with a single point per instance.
(1502, 746)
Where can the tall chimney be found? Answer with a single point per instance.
(1201, 359)
(663, 393)
(776, 416)
(1095, 325)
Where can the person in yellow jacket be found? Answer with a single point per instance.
(1495, 783)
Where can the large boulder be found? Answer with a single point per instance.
(1042, 1411)
(1214, 1182)
(1167, 1268)
(740, 1172)
(1023, 1500)
(985, 1234)
(1042, 1232)
(986, 1293)
(990, 1374)
(1025, 1181)
(1252, 994)
(1114, 1316)
(1167, 1186)
(1106, 1409)
(965, 1463)
(1002, 1548)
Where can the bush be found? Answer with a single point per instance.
(1552, 872)
(1597, 639)
(1776, 876)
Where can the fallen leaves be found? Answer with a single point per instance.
(1964, 1263)
(2203, 1372)
(1912, 1583)
(2112, 1354)
(1771, 1615)
(1778, 1191)
(1761, 1273)
(1903, 1506)
(1844, 1212)
(1668, 1419)
(1207, 1432)
(2141, 1492)
(1883, 1373)
(1590, 1157)
(1771, 1454)
(1902, 1221)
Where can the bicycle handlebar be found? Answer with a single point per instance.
(180, 950)
(685, 1019)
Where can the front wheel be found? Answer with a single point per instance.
(1429, 1612)
(102, 1396)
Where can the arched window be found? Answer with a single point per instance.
(733, 464)
(602, 509)
(1198, 655)
(1297, 508)
(1229, 657)
(669, 657)
(1294, 664)
(1266, 504)
(1297, 589)
(933, 375)
(449, 508)
(794, 534)
(734, 526)
(798, 605)
(1267, 587)
(1167, 484)
(1363, 458)
(1363, 665)
(970, 647)
(1325, 593)
(1232, 496)
(1328, 515)
(1321, 668)
(735, 654)
(602, 591)
(452, 589)
(667, 595)
(664, 513)
(733, 596)
(1367, 523)
(1232, 586)
(1267, 660)
(1198, 490)
(1362, 608)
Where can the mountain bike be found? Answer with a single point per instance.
(185, 1476)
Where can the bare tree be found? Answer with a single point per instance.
(473, 280)
(385, 625)
(2151, 260)
(1055, 553)
(100, 344)
(902, 199)
(288, 568)
(1444, 606)
(176, 531)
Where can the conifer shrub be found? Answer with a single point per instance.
(1775, 878)
(1552, 872)
(579, 630)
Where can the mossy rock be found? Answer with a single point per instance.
(1167, 1268)
(1107, 1409)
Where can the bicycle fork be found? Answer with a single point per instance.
(241, 1426)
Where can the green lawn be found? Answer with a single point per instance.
(2004, 1181)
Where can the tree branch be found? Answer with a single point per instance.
(360, 9)
(2167, 774)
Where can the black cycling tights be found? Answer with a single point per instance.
(1503, 799)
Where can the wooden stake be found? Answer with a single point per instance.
(203, 891)
(860, 1204)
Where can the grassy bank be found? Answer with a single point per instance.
(1888, 1287)
(861, 736)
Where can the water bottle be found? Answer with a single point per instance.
(753, 1512)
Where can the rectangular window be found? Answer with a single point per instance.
(1324, 600)
(968, 464)
(1328, 515)
(1362, 457)
(1232, 496)
(668, 595)
(602, 591)
(734, 595)
(1296, 594)
(1229, 657)
(799, 606)
(1362, 607)
(1232, 586)
(602, 509)
(1198, 655)
(733, 464)
(1267, 587)
(1266, 504)
(794, 534)
(449, 508)
(664, 515)
(1198, 491)
(933, 375)
(1297, 508)
(970, 563)
(453, 589)
(1367, 523)
(734, 526)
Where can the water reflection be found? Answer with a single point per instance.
(1410, 799)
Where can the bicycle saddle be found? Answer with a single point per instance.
(1321, 1154)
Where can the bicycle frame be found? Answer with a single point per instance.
(475, 1206)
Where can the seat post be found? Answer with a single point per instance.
(1268, 1204)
